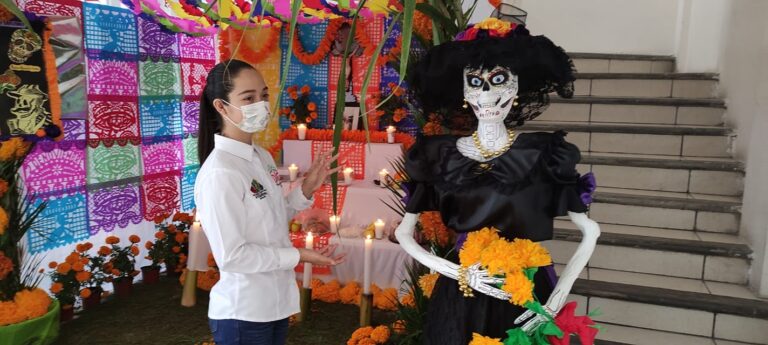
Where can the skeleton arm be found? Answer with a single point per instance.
(590, 231)
(478, 279)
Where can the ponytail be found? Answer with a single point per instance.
(218, 84)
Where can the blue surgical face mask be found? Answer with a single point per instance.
(256, 116)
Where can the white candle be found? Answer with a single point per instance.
(367, 265)
(335, 220)
(348, 176)
(294, 171)
(308, 244)
(383, 177)
(198, 257)
(379, 228)
(302, 131)
(391, 134)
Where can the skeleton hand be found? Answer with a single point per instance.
(531, 325)
(479, 280)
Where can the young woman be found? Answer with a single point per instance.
(245, 214)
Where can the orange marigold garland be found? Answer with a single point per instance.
(433, 229)
(233, 39)
(369, 336)
(6, 266)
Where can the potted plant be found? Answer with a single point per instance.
(303, 110)
(122, 264)
(66, 279)
(27, 314)
(171, 242)
(394, 108)
(94, 264)
(151, 274)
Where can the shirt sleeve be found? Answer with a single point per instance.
(296, 202)
(223, 215)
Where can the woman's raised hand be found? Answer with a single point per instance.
(320, 169)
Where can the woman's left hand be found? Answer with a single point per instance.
(320, 169)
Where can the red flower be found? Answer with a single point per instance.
(583, 326)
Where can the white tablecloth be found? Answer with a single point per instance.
(388, 263)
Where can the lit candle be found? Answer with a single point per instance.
(379, 228)
(383, 177)
(391, 134)
(335, 220)
(302, 131)
(294, 171)
(348, 175)
(198, 258)
(309, 244)
(367, 265)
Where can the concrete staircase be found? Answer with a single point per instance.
(670, 267)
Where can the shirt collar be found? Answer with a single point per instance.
(234, 147)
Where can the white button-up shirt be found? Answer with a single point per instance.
(245, 216)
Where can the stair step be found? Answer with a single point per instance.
(630, 100)
(615, 63)
(660, 252)
(642, 336)
(653, 76)
(734, 250)
(685, 141)
(678, 201)
(608, 56)
(679, 211)
(715, 177)
(594, 127)
(663, 162)
(646, 85)
(633, 113)
(670, 310)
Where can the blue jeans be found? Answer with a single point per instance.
(237, 332)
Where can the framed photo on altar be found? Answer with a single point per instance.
(352, 116)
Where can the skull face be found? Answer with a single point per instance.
(23, 44)
(490, 92)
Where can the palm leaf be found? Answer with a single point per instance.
(408, 10)
(295, 7)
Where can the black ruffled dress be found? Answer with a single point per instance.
(519, 193)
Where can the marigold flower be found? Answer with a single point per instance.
(104, 251)
(172, 228)
(112, 240)
(159, 219)
(6, 266)
(78, 267)
(134, 239)
(350, 293)
(427, 283)
(311, 106)
(293, 117)
(32, 303)
(177, 217)
(83, 276)
(294, 96)
(3, 187)
(64, 268)
(159, 235)
(85, 293)
(179, 237)
(328, 293)
(52, 264)
(380, 334)
(72, 258)
(148, 245)
(56, 287)
(408, 300)
(313, 115)
(305, 89)
(519, 287)
(478, 339)
(108, 266)
(176, 249)
(360, 333)
(475, 243)
(85, 260)
(399, 327)
(115, 272)
(80, 247)
(88, 246)
(134, 250)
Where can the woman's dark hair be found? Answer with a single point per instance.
(437, 79)
(218, 84)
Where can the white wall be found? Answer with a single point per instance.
(744, 85)
(700, 35)
(601, 26)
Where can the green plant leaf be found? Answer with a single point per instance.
(435, 14)
(369, 74)
(295, 7)
(10, 5)
(408, 10)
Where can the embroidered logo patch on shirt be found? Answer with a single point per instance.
(258, 190)
(275, 174)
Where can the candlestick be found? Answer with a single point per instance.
(383, 178)
(294, 171)
(379, 228)
(197, 261)
(391, 134)
(367, 265)
(348, 176)
(302, 131)
(308, 244)
(335, 221)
